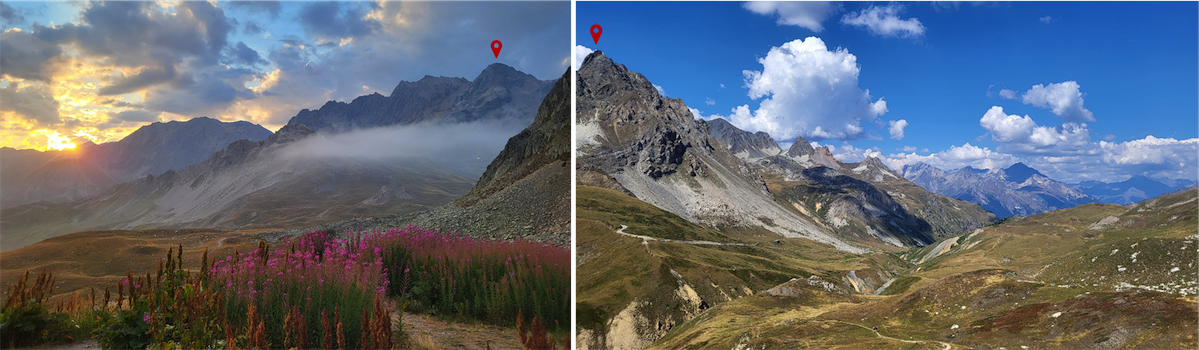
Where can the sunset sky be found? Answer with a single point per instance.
(72, 72)
(1078, 90)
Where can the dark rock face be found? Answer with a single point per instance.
(1016, 191)
(499, 92)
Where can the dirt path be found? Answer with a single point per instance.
(647, 239)
(430, 333)
(944, 345)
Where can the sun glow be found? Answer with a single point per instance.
(56, 141)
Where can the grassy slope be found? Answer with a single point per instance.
(614, 270)
(98, 259)
(1002, 287)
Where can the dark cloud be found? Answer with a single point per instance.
(195, 94)
(332, 21)
(141, 80)
(252, 28)
(34, 102)
(293, 40)
(216, 25)
(244, 54)
(138, 115)
(135, 34)
(271, 7)
(179, 54)
(25, 56)
(119, 103)
(10, 16)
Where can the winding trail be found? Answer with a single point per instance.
(944, 345)
(647, 239)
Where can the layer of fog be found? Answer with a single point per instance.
(463, 148)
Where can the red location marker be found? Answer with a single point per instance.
(596, 30)
(495, 48)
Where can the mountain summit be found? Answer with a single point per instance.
(499, 92)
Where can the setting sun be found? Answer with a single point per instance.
(56, 141)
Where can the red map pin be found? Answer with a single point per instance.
(596, 30)
(495, 47)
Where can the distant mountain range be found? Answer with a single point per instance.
(28, 176)
(1015, 191)
(1020, 190)
(260, 184)
(1135, 189)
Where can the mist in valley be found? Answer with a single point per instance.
(462, 148)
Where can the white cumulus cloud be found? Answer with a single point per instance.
(896, 128)
(580, 54)
(808, 91)
(1008, 94)
(1064, 99)
(1007, 128)
(1022, 135)
(885, 21)
(807, 14)
(955, 157)
(709, 101)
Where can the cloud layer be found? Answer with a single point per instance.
(808, 90)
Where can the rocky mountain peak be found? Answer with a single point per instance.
(289, 134)
(648, 131)
(603, 78)
(742, 143)
(801, 147)
(1019, 172)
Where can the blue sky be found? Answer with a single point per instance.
(96, 71)
(1118, 95)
